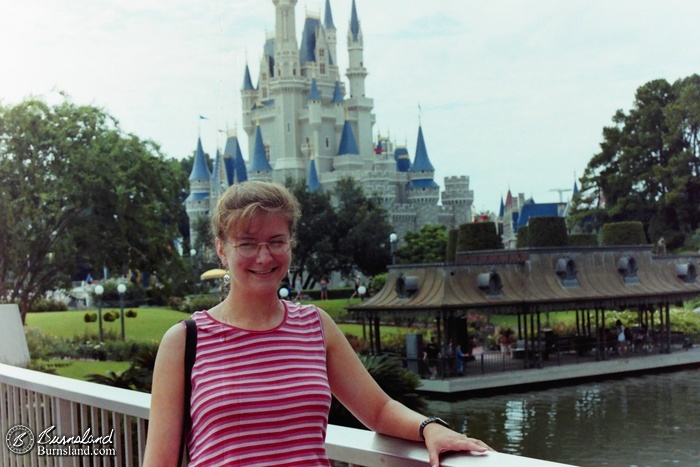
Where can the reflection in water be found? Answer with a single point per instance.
(645, 420)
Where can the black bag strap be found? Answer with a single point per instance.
(190, 354)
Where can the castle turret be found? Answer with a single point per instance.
(233, 161)
(312, 183)
(457, 199)
(348, 158)
(356, 71)
(259, 168)
(197, 203)
(422, 188)
(331, 33)
(286, 52)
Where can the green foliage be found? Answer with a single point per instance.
(623, 233)
(130, 313)
(477, 236)
(398, 382)
(547, 232)
(200, 303)
(377, 283)
(90, 317)
(76, 191)
(451, 250)
(583, 240)
(522, 241)
(48, 304)
(428, 245)
(110, 316)
(362, 230)
(648, 167)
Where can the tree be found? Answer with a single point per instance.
(362, 230)
(428, 245)
(647, 169)
(317, 237)
(77, 191)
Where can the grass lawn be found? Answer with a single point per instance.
(78, 369)
(149, 325)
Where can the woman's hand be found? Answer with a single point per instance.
(439, 439)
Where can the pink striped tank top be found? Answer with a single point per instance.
(260, 398)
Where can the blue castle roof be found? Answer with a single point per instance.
(314, 95)
(312, 182)
(337, 94)
(200, 169)
(421, 162)
(423, 183)
(269, 50)
(259, 162)
(403, 160)
(308, 40)
(502, 211)
(328, 19)
(247, 82)
(531, 210)
(354, 23)
(233, 161)
(348, 145)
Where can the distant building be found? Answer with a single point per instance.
(305, 123)
(517, 212)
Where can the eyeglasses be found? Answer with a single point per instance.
(250, 249)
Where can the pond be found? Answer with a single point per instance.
(642, 420)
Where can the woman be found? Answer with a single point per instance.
(266, 368)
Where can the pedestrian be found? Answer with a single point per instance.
(324, 288)
(248, 405)
(297, 289)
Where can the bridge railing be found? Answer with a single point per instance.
(39, 401)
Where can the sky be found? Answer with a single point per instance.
(512, 93)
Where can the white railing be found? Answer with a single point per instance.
(38, 401)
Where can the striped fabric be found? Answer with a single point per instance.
(260, 398)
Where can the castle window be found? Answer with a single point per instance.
(264, 76)
(264, 93)
(322, 68)
(322, 52)
(328, 143)
(294, 71)
(267, 151)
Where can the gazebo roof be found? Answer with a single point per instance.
(543, 279)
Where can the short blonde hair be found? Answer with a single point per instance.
(241, 202)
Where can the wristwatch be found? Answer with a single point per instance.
(427, 422)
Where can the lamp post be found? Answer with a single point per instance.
(392, 241)
(99, 290)
(193, 254)
(121, 288)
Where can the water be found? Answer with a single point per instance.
(638, 421)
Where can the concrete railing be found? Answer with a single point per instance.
(39, 401)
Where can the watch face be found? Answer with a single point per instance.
(19, 439)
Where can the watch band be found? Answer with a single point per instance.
(427, 422)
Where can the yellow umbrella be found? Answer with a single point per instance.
(213, 274)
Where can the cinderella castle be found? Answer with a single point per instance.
(305, 123)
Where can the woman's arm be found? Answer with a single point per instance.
(167, 400)
(355, 388)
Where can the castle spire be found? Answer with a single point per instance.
(355, 30)
(259, 162)
(200, 169)
(328, 19)
(348, 145)
(312, 182)
(247, 82)
(422, 161)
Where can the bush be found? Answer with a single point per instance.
(477, 236)
(623, 233)
(110, 316)
(199, 303)
(90, 317)
(130, 313)
(48, 304)
(377, 283)
(583, 240)
(522, 240)
(547, 231)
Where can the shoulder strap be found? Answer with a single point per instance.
(190, 354)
